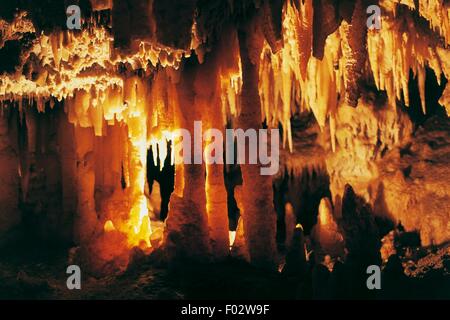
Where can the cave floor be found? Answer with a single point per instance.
(39, 272)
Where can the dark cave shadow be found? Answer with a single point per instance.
(304, 193)
(433, 92)
(383, 217)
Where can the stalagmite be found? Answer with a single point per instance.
(296, 256)
(388, 246)
(325, 233)
(239, 249)
(359, 230)
(155, 199)
(290, 222)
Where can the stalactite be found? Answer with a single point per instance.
(304, 33)
(230, 74)
(294, 76)
(15, 29)
(406, 39)
(445, 58)
(435, 12)
(321, 89)
(326, 22)
(271, 26)
(277, 71)
(290, 223)
(354, 35)
(161, 120)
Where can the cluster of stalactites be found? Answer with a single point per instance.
(15, 30)
(59, 64)
(295, 79)
(301, 75)
(403, 45)
(436, 12)
(292, 79)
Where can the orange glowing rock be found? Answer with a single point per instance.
(328, 239)
(109, 226)
(291, 223)
(101, 4)
(388, 246)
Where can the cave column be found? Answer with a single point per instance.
(135, 95)
(187, 223)
(217, 209)
(139, 222)
(258, 212)
(9, 180)
(86, 216)
(68, 160)
(208, 102)
(29, 167)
